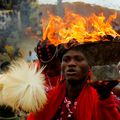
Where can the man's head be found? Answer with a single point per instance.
(45, 52)
(48, 55)
(74, 65)
(30, 53)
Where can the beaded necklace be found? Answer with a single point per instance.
(67, 110)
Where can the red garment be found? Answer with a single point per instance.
(52, 81)
(66, 110)
(89, 107)
(38, 64)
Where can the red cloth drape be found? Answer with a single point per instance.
(89, 106)
(53, 80)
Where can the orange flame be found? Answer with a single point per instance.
(75, 26)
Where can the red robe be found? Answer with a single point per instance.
(53, 80)
(89, 107)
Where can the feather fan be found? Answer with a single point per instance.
(1, 93)
(23, 87)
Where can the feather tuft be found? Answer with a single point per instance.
(1, 93)
(24, 87)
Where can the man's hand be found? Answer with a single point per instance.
(104, 88)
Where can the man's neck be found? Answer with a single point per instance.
(73, 90)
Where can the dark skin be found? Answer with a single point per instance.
(116, 91)
(75, 69)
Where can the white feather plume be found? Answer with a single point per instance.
(23, 87)
(1, 93)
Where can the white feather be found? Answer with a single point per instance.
(1, 93)
(24, 87)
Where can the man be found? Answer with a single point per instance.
(29, 57)
(47, 55)
(76, 97)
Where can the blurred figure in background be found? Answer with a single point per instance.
(17, 53)
(48, 56)
(29, 57)
(34, 55)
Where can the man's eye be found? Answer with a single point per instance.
(79, 58)
(65, 59)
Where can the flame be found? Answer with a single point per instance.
(74, 26)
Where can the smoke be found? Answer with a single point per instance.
(60, 9)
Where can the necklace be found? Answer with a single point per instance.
(68, 109)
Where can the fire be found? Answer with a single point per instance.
(74, 26)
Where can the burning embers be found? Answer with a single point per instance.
(83, 29)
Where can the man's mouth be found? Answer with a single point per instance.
(71, 72)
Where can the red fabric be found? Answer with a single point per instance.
(89, 106)
(37, 63)
(53, 80)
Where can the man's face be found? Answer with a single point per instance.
(74, 66)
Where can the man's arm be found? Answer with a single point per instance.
(116, 90)
(106, 105)
(108, 109)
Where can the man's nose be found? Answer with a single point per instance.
(71, 63)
